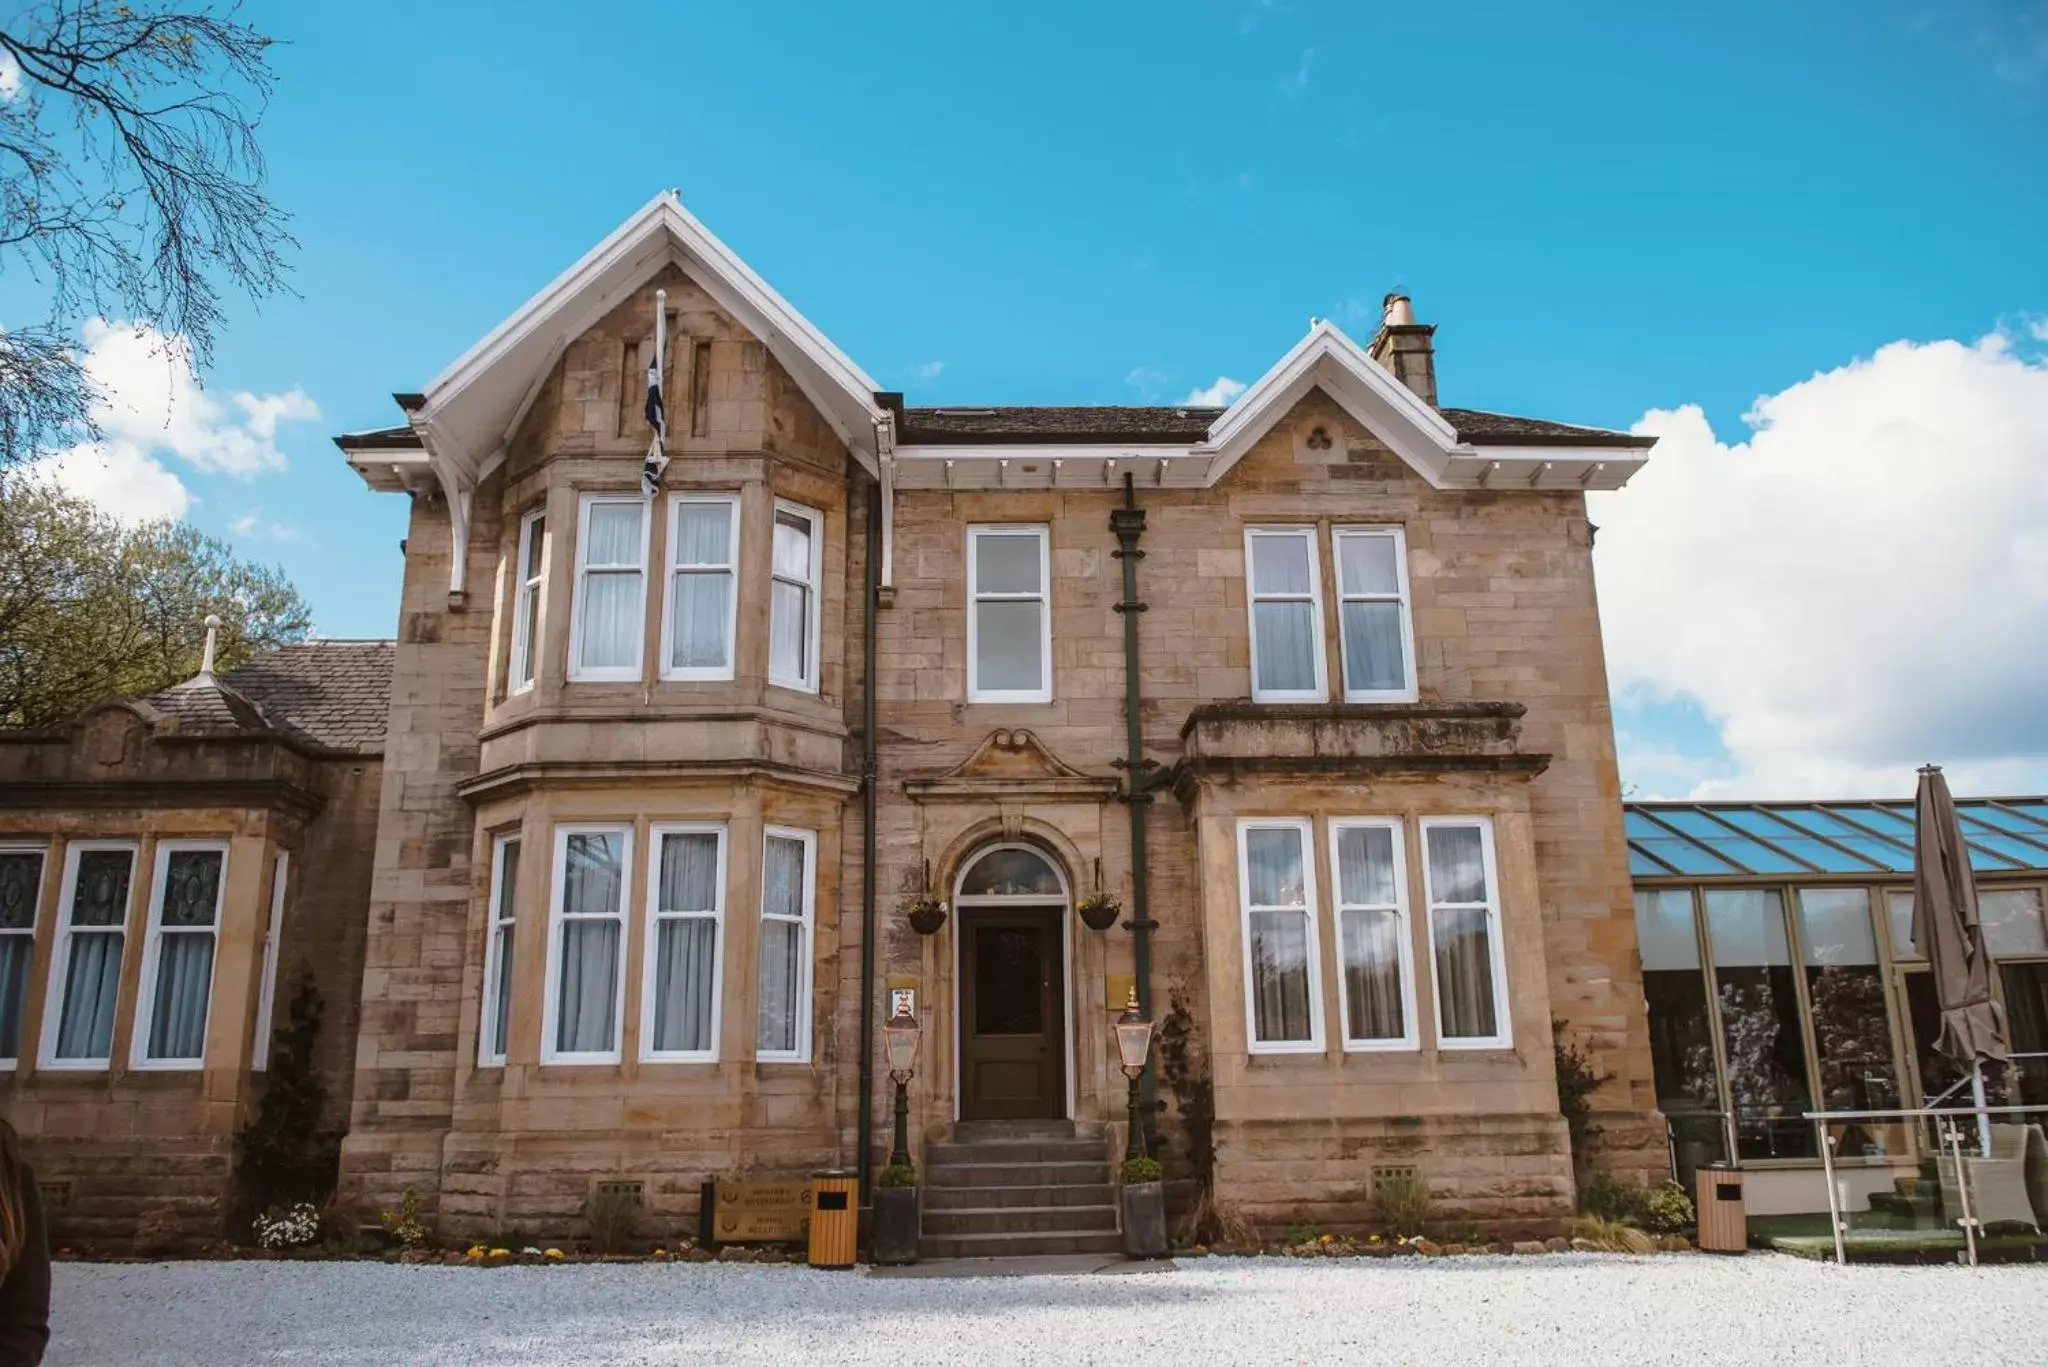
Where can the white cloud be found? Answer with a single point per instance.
(928, 371)
(2038, 328)
(1860, 587)
(10, 76)
(1295, 86)
(253, 524)
(1217, 395)
(151, 404)
(1147, 380)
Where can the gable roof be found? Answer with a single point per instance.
(328, 697)
(1111, 424)
(470, 410)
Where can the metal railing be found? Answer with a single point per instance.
(1949, 1135)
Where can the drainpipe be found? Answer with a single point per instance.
(867, 857)
(1128, 522)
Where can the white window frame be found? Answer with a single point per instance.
(975, 692)
(1407, 692)
(651, 944)
(500, 921)
(578, 671)
(152, 954)
(526, 604)
(670, 673)
(808, 922)
(1496, 938)
(807, 682)
(1320, 692)
(35, 920)
(1410, 1037)
(1306, 830)
(60, 962)
(266, 995)
(551, 997)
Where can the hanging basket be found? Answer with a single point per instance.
(925, 914)
(1098, 910)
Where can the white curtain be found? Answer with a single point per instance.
(685, 946)
(1373, 652)
(699, 610)
(1457, 864)
(782, 945)
(1008, 642)
(184, 976)
(1365, 564)
(1371, 931)
(587, 1002)
(793, 547)
(1280, 983)
(1464, 972)
(611, 619)
(789, 633)
(703, 534)
(1287, 646)
(614, 534)
(85, 1026)
(1273, 863)
(503, 917)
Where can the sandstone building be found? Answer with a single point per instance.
(1311, 687)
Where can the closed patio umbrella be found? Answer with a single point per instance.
(1947, 931)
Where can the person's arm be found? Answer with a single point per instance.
(25, 1291)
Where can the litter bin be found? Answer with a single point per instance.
(1724, 1224)
(835, 1218)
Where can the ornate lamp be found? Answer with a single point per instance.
(900, 1036)
(1134, 1047)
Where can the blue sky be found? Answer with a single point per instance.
(1607, 208)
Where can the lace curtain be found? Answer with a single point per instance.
(587, 998)
(92, 975)
(685, 945)
(782, 946)
(702, 593)
(611, 597)
(789, 616)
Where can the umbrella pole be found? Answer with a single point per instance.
(1977, 1098)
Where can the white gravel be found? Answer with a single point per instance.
(1589, 1310)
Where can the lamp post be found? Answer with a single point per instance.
(1133, 1047)
(900, 1036)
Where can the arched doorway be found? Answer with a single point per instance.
(1010, 922)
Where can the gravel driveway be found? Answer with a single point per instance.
(1588, 1310)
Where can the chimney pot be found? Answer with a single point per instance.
(1400, 312)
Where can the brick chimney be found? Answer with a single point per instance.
(1406, 347)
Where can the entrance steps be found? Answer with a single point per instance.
(1008, 1189)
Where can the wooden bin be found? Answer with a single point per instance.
(1723, 1221)
(835, 1218)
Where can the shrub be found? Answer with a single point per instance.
(404, 1224)
(1577, 1080)
(1662, 1209)
(897, 1175)
(611, 1215)
(1668, 1210)
(1402, 1199)
(283, 1156)
(1142, 1170)
(1216, 1222)
(293, 1226)
(1611, 1236)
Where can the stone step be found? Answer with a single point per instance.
(1046, 1150)
(1016, 1174)
(1017, 1245)
(1021, 1220)
(1017, 1198)
(1006, 1131)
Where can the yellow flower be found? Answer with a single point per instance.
(555, 1254)
(661, 1253)
(476, 1251)
(1329, 1238)
(501, 1253)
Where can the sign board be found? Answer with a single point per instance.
(902, 999)
(759, 1212)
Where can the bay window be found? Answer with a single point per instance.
(92, 937)
(178, 954)
(793, 598)
(495, 1021)
(610, 599)
(1377, 983)
(685, 912)
(526, 601)
(21, 890)
(703, 597)
(1276, 895)
(583, 1014)
(1285, 602)
(1469, 965)
(1373, 624)
(1009, 615)
(788, 891)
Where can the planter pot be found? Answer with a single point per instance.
(895, 1241)
(1145, 1219)
(1099, 915)
(927, 920)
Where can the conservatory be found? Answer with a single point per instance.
(1781, 978)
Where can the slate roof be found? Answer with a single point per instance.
(378, 437)
(331, 697)
(955, 425)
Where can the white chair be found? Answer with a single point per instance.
(1998, 1184)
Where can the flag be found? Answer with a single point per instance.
(657, 416)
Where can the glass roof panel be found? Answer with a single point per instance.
(1794, 841)
(2037, 810)
(1753, 856)
(1685, 855)
(1640, 865)
(2005, 820)
(1821, 822)
(1998, 837)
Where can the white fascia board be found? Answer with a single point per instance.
(470, 414)
(1544, 467)
(1331, 361)
(1047, 466)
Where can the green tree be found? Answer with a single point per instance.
(92, 609)
(131, 187)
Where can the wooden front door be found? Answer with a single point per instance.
(1013, 1038)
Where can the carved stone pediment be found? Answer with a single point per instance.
(1013, 764)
